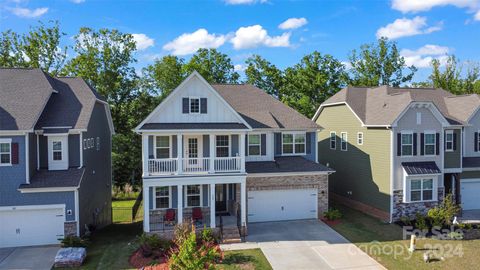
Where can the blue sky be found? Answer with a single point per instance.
(423, 29)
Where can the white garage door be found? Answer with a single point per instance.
(276, 205)
(470, 189)
(30, 227)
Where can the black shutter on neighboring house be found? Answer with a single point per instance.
(399, 144)
(14, 152)
(437, 140)
(422, 144)
(476, 142)
(415, 144)
(454, 141)
(246, 145)
(203, 105)
(263, 139)
(185, 105)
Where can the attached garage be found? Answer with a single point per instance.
(277, 205)
(31, 225)
(470, 188)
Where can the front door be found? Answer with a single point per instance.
(193, 151)
(221, 198)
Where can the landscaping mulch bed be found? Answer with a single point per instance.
(331, 222)
(138, 261)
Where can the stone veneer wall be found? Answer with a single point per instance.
(401, 209)
(70, 228)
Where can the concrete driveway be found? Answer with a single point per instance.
(40, 257)
(304, 244)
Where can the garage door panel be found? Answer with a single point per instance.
(30, 227)
(277, 205)
(470, 188)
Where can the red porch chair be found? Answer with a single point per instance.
(197, 214)
(169, 217)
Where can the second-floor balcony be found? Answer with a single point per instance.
(168, 166)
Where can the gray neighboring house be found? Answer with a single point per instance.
(55, 158)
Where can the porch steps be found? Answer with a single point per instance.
(231, 235)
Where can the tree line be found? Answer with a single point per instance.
(105, 58)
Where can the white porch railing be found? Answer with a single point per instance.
(168, 166)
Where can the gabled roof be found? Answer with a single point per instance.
(260, 109)
(31, 99)
(383, 105)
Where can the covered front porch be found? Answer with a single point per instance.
(217, 202)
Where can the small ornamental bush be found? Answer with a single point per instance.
(152, 243)
(74, 241)
(332, 214)
(443, 214)
(420, 222)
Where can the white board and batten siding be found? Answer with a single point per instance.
(31, 226)
(217, 110)
(281, 205)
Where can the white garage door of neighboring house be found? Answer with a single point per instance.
(276, 205)
(470, 189)
(31, 227)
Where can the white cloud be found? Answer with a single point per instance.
(244, 2)
(143, 41)
(425, 5)
(293, 23)
(477, 16)
(189, 43)
(77, 1)
(423, 56)
(239, 67)
(28, 13)
(255, 36)
(407, 27)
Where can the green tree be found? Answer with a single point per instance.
(450, 78)
(264, 75)
(312, 81)
(164, 75)
(10, 52)
(379, 64)
(214, 66)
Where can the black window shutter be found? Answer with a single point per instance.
(185, 105)
(14, 152)
(422, 144)
(246, 145)
(454, 141)
(203, 105)
(263, 138)
(437, 141)
(399, 144)
(415, 144)
(476, 142)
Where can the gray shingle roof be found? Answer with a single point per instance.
(418, 168)
(382, 105)
(471, 162)
(166, 126)
(261, 110)
(293, 164)
(50, 179)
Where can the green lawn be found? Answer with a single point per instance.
(244, 259)
(122, 211)
(123, 203)
(384, 243)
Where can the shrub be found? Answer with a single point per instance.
(406, 220)
(332, 214)
(152, 243)
(444, 213)
(181, 232)
(124, 193)
(74, 241)
(420, 222)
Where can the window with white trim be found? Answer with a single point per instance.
(360, 138)
(254, 144)
(407, 144)
(333, 140)
(430, 144)
(5, 152)
(449, 141)
(293, 143)
(57, 150)
(162, 198)
(421, 190)
(344, 141)
(222, 144)
(193, 194)
(194, 105)
(162, 147)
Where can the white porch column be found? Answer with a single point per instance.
(211, 162)
(212, 206)
(146, 208)
(243, 202)
(180, 203)
(242, 152)
(179, 153)
(145, 154)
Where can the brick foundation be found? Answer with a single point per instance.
(365, 208)
(70, 228)
(401, 209)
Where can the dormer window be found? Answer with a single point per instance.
(194, 105)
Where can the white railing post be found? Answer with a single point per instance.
(180, 203)
(212, 206)
(211, 153)
(145, 154)
(242, 152)
(179, 153)
(146, 208)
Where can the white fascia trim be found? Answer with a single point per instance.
(421, 175)
(57, 127)
(452, 170)
(109, 117)
(392, 160)
(173, 93)
(472, 169)
(429, 105)
(55, 134)
(152, 182)
(14, 132)
(191, 131)
(41, 190)
(469, 180)
(27, 158)
(252, 175)
(473, 114)
(33, 207)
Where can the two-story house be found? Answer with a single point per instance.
(227, 154)
(398, 151)
(55, 158)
